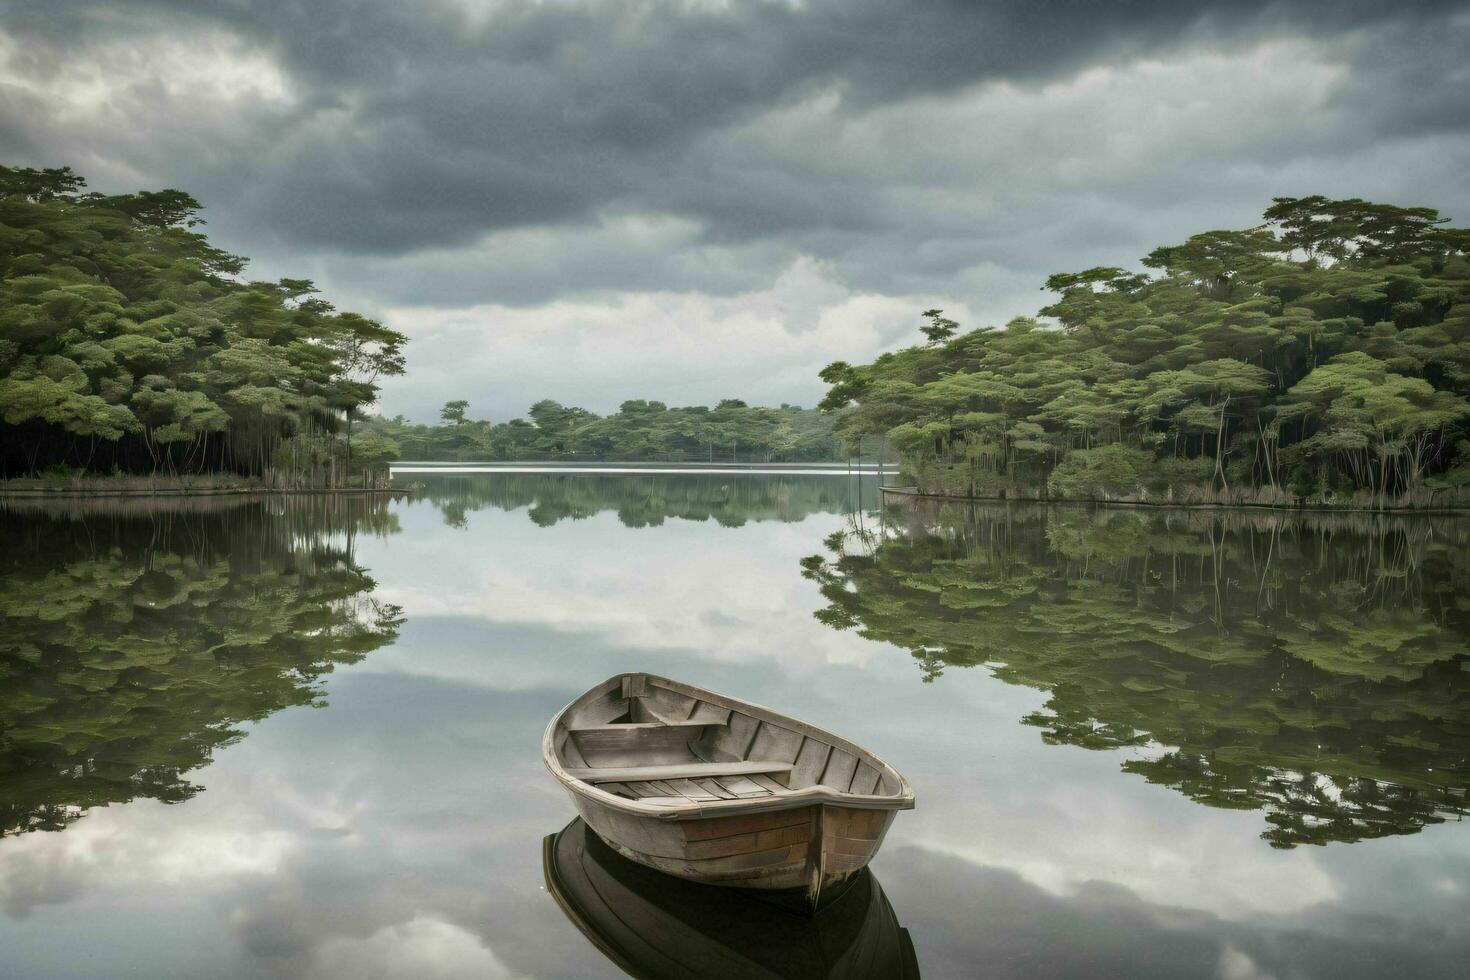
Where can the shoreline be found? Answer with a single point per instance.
(420, 467)
(913, 493)
(64, 492)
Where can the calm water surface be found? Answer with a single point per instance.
(301, 738)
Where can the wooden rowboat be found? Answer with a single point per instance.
(659, 928)
(720, 791)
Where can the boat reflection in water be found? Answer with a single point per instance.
(658, 927)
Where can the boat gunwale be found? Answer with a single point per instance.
(903, 799)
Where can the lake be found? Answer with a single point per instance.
(300, 737)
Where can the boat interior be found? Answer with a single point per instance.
(636, 738)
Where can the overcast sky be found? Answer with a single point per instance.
(701, 199)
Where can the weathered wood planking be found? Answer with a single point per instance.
(742, 787)
(713, 786)
(710, 714)
(628, 726)
(745, 823)
(840, 769)
(661, 704)
(864, 781)
(615, 745)
(601, 711)
(754, 843)
(775, 743)
(732, 741)
(692, 790)
(811, 762)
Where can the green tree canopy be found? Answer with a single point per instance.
(128, 341)
(1323, 355)
(640, 430)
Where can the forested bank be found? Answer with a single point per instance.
(638, 430)
(1321, 357)
(129, 344)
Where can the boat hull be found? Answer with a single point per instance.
(804, 855)
(719, 791)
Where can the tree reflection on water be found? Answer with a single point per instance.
(728, 499)
(1311, 666)
(140, 634)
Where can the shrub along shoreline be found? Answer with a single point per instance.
(195, 485)
(1459, 506)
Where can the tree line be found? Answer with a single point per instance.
(1322, 356)
(130, 344)
(638, 430)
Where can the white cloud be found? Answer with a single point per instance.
(156, 74)
(616, 251)
(139, 844)
(1237, 965)
(1141, 844)
(207, 844)
(678, 596)
(423, 948)
(683, 348)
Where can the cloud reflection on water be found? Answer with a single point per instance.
(400, 826)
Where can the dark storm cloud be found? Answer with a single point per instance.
(420, 124)
(714, 197)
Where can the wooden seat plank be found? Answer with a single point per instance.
(633, 726)
(693, 770)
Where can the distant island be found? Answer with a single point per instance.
(1320, 358)
(638, 430)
